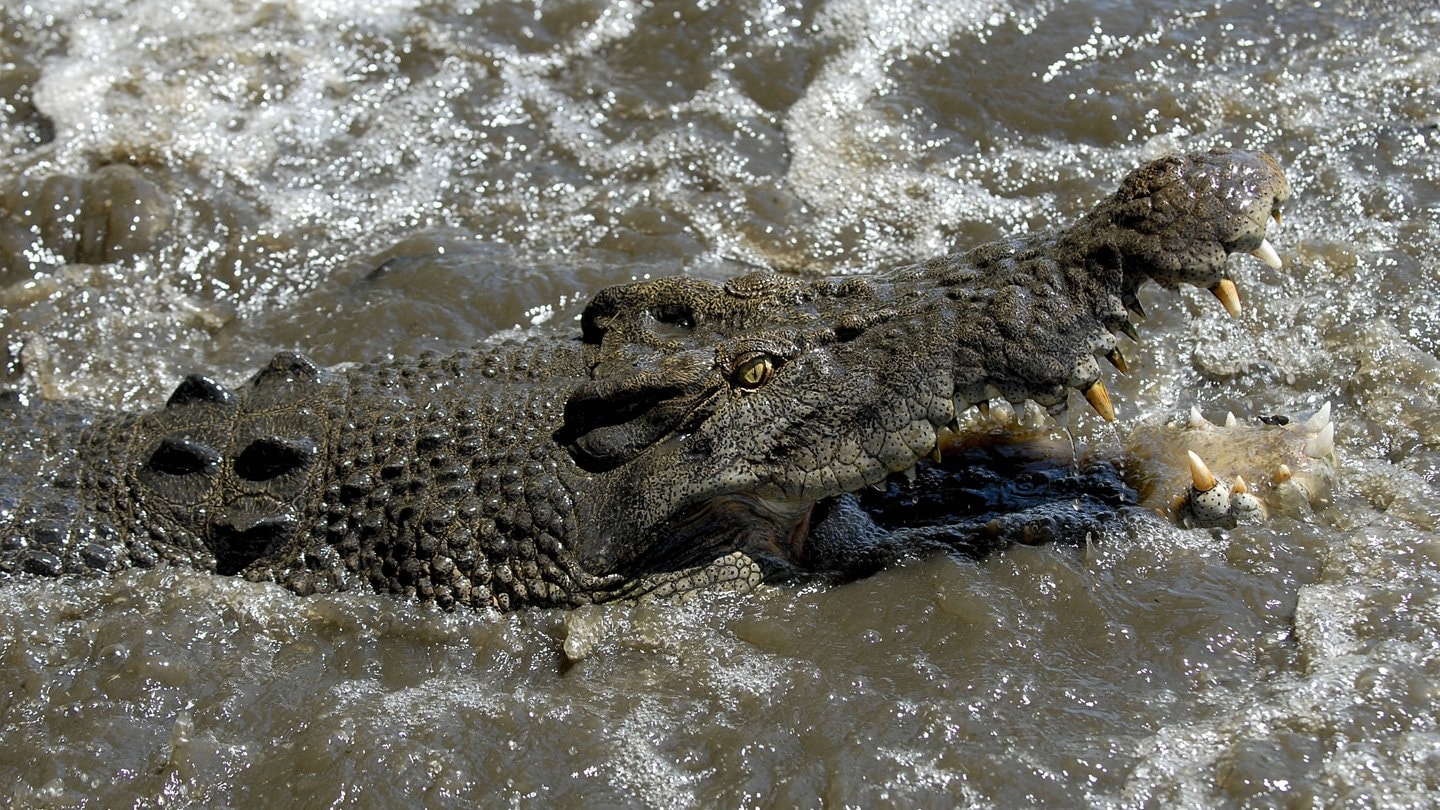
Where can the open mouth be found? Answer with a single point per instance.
(988, 490)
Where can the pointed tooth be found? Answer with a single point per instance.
(1320, 419)
(1283, 474)
(1032, 415)
(1132, 303)
(1099, 399)
(1230, 420)
(1266, 253)
(1128, 330)
(1200, 475)
(1197, 419)
(909, 474)
(957, 407)
(1323, 443)
(984, 407)
(935, 453)
(1275, 215)
(1239, 487)
(1229, 296)
(1003, 413)
(1118, 360)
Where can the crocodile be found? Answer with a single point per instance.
(692, 434)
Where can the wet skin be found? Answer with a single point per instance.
(692, 435)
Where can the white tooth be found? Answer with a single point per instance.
(1320, 419)
(1230, 420)
(909, 474)
(1266, 253)
(1197, 420)
(1033, 416)
(1003, 412)
(1323, 443)
(1200, 475)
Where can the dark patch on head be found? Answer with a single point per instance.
(678, 314)
(239, 540)
(273, 456)
(182, 457)
(199, 388)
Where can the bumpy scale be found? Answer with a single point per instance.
(686, 438)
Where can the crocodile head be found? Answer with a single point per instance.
(719, 416)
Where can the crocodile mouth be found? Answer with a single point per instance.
(993, 488)
(773, 533)
(988, 488)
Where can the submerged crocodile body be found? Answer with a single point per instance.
(692, 434)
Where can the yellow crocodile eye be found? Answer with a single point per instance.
(755, 372)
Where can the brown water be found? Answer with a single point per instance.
(198, 184)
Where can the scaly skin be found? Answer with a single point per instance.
(684, 440)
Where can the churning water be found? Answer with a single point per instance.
(195, 184)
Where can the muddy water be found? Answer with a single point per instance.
(197, 184)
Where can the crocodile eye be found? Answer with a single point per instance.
(754, 372)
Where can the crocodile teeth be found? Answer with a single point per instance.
(1276, 216)
(1132, 303)
(1283, 474)
(1197, 419)
(1230, 420)
(1200, 475)
(1239, 487)
(1229, 296)
(1266, 253)
(1099, 399)
(1323, 443)
(1118, 361)
(1320, 419)
(1003, 413)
